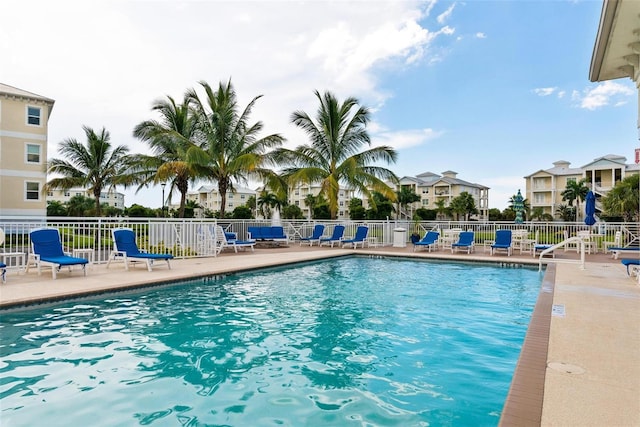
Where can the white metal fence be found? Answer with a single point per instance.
(186, 237)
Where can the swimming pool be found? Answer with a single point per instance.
(353, 341)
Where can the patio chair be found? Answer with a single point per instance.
(465, 242)
(359, 238)
(616, 243)
(125, 247)
(336, 236)
(230, 240)
(318, 231)
(46, 248)
(503, 242)
(430, 240)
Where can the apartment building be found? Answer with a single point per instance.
(300, 192)
(208, 198)
(110, 198)
(24, 118)
(432, 188)
(544, 187)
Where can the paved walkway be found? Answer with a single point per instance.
(592, 372)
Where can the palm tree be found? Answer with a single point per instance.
(170, 140)
(229, 147)
(96, 166)
(311, 202)
(575, 190)
(333, 156)
(622, 200)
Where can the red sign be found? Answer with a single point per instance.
(637, 155)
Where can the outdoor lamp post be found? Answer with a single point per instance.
(163, 185)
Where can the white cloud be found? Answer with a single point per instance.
(545, 91)
(603, 94)
(480, 35)
(402, 139)
(444, 16)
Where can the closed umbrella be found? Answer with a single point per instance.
(518, 206)
(590, 209)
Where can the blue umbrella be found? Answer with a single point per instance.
(590, 209)
(518, 206)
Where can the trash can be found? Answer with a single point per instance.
(399, 237)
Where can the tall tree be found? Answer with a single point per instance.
(96, 166)
(230, 149)
(575, 191)
(333, 157)
(623, 199)
(405, 197)
(464, 204)
(170, 139)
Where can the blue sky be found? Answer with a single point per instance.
(494, 90)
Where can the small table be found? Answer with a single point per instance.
(372, 242)
(17, 257)
(85, 253)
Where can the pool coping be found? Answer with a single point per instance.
(523, 406)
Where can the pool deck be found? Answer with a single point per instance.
(580, 364)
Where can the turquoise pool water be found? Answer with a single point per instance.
(355, 341)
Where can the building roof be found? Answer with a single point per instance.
(615, 54)
(5, 89)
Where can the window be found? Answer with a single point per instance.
(538, 198)
(33, 153)
(32, 190)
(67, 194)
(297, 203)
(341, 203)
(539, 183)
(425, 202)
(242, 196)
(571, 180)
(50, 193)
(33, 115)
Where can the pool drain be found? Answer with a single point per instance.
(566, 368)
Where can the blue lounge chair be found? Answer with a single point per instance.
(503, 242)
(359, 238)
(633, 267)
(430, 240)
(3, 270)
(318, 231)
(465, 242)
(336, 236)
(629, 263)
(46, 248)
(125, 247)
(230, 240)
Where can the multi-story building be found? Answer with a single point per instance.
(299, 193)
(24, 118)
(432, 188)
(110, 198)
(208, 198)
(544, 187)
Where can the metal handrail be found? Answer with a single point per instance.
(562, 244)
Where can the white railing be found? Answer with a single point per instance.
(184, 237)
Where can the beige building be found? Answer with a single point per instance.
(208, 198)
(432, 187)
(110, 198)
(298, 194)
(544, 188)
(24, 117)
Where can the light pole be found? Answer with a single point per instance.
(162, 185)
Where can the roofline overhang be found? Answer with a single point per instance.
(607, 18)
